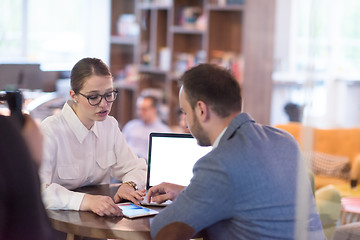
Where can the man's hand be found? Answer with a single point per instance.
(101, 205)
(164, 192)
(125, 191)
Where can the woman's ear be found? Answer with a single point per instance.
(73, 96)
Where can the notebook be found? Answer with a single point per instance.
(171, 158)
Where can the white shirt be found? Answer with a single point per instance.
(137, 133)
(75, 156)
(217, 140)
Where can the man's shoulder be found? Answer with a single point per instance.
(132, 123)
(243, 124)
(163, 127)
(248, 135)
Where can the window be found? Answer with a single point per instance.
(11, 32)
(54, 33)
(326, 37)
(317, 59)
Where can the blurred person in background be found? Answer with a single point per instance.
(137, 131)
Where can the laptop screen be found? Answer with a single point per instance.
(172, 157)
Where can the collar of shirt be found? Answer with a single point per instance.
(216, 143)
(75, 124)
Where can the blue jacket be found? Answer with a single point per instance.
(245, 188)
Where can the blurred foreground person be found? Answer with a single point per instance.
(22, 213)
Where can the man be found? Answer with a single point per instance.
(245, 188)
(137, 131)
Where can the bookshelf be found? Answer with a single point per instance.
(123, 57)
(174, 36)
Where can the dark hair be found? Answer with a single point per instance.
(153, 99)
(86, 68)
(215, 86)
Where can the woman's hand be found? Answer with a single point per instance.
(101, 205)
(125, 191)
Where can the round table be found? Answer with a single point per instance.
(81, 223)
(350, 210)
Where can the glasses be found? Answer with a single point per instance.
(96, 99)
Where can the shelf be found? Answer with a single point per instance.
(155, 6)
(229, 7)
(174, 78)
(148, 69)
(123, 53)
(170, 37)
(132, 86)
(186, 30)
(123, 40)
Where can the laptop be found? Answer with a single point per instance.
(171, 158)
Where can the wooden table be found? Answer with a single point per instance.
(80, 223)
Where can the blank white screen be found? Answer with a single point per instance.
(173, 158)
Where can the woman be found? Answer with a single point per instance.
(84, 146)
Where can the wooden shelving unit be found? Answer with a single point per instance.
(123, 53)
(163, 28)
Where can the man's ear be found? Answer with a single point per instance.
(202, 111)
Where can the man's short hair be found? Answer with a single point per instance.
(215, 86)
(154, 100)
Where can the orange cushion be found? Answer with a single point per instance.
(340, 141)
